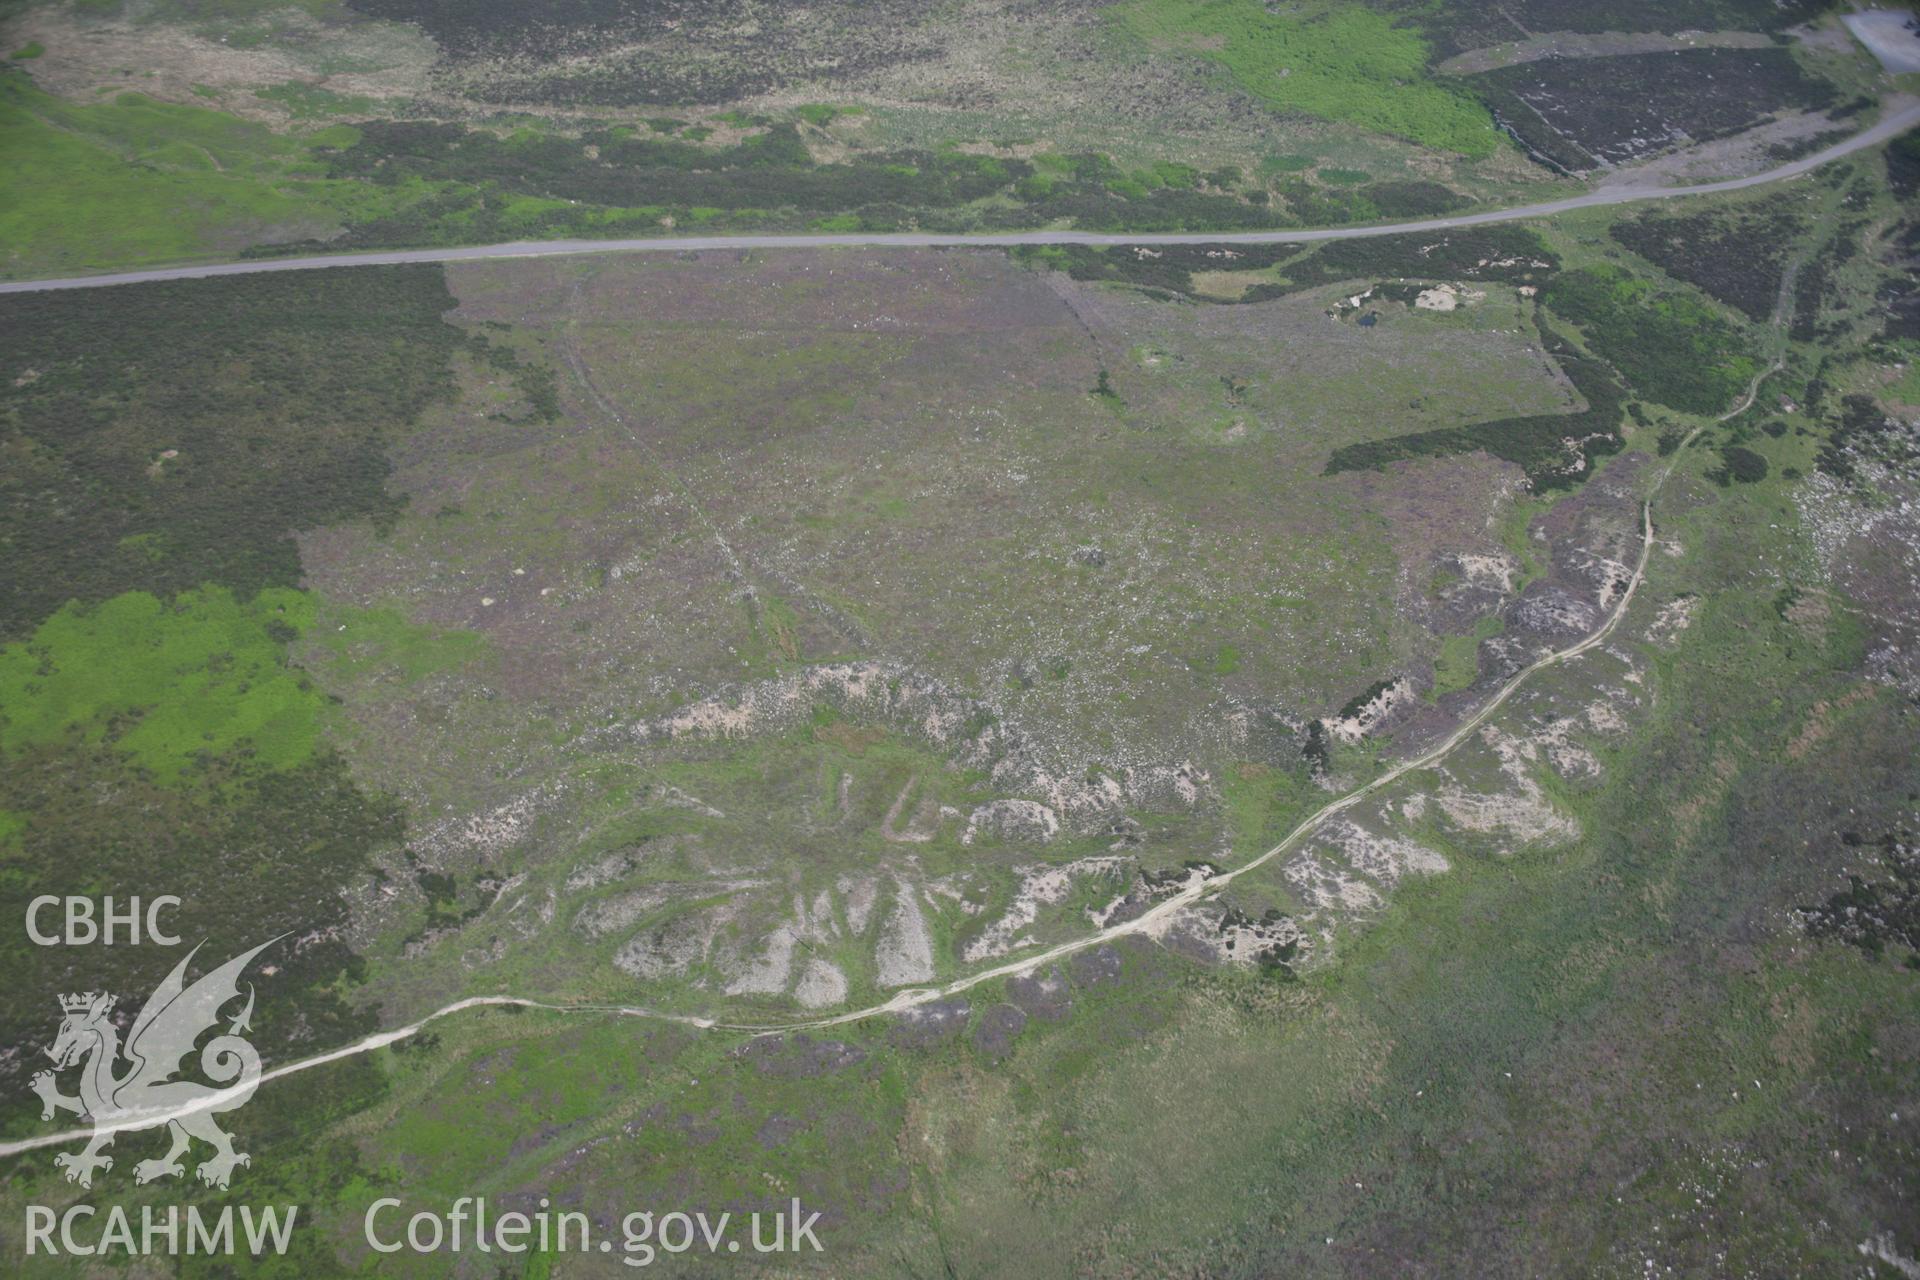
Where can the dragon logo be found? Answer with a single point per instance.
(146, 1095)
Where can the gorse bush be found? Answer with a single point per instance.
(1740, 464)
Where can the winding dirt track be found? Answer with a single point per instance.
(1895, 123)
(1200, 887)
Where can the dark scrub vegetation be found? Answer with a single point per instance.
(771, 170)
(162, 451)
(1876, 914)
(1312, 205)
(1164, 269)
(1358, 702)
(1455, 28)
(1794, 149)
(180, 436)
(1900, 292)
(1737, 257)
(1820, 287)
(253, 852)
(1413, 199)
(1097, 197)
(1860, 431)
(1903, 164)
(1740, 464)
(480, 186)
(1672, 349)
(1578, 114)
(154, 736)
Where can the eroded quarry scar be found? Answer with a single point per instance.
(1200, 885)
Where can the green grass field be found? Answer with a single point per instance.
(200, 674)
(1335, 61)
(135, 181)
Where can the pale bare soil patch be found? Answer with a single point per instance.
(878, 488)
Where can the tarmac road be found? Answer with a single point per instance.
(1896, 123)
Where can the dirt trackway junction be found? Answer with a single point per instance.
(1198, 887)
(1894, 124)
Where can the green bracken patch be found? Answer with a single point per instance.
(134, 180)
(311, 102)
(1334, 61)
(166, 682)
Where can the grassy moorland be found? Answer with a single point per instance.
(755, 635)
(201, 182)
(1629, 1018)
(157, 133)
